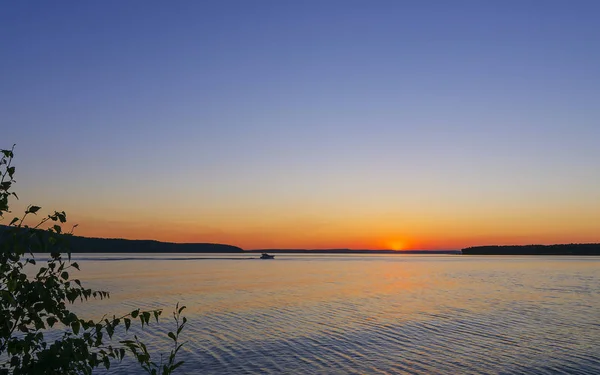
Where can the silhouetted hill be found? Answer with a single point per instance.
(566, 249)
(116, 245)
(110, 245)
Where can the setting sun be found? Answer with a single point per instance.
(397, 245)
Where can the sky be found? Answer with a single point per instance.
(308, 124)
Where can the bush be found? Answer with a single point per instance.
(36, 298)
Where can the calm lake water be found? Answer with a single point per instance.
(374, 314)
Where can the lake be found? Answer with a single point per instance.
(361, 314)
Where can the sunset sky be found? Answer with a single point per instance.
(308, 124)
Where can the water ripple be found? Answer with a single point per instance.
(424, 315)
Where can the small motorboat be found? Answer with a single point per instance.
(267, 256)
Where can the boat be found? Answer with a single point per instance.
(267, 256)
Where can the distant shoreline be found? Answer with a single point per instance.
(350, 251)
(90, 245)
(560, 249)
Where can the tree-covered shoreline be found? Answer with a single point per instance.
(78, 244)
(559, 249)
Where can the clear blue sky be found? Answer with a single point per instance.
(432, 123)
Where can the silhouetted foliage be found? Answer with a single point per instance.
(35, 296)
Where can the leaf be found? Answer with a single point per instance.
(75, 326)
(135, 313)
(127, 323)
(177, 365)
(64, 275)
(75, 265)
(57, 228)
(172, 336)
(110, 330)
(51, 320)
(33, 209)
(13, 221)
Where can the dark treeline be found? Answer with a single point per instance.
(109, 245)
(79, 244)
(566, 249)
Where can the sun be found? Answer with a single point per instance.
(396, 245)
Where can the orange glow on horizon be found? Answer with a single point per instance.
(362, 233)
(249, 240)
(397, 245)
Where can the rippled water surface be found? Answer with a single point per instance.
(346, 314)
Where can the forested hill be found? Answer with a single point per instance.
(117, 245)
(567, 249)
(110, 245)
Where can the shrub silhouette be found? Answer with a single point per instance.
(35, 297)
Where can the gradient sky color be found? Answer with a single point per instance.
(308, 124)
